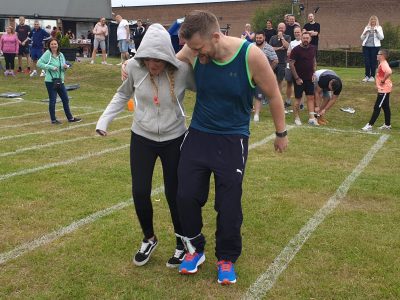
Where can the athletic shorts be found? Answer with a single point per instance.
(36, 53)
(307, 87)
(23, 50)
(98, 42)
(258, 94)
(280, 71)
(123, 45)
(288, 75)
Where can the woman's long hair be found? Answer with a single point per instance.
(371, 18)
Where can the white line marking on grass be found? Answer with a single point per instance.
(56, 130)
(62, 163)
(267, 280)
(45, 121)
(48, 238)
(52, 236)
(27, 115)
(37, 147)
(335, 130)
(11, 102)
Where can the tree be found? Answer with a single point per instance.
(392, 36)
(275, 13)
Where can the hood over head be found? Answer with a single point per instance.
(157, 44)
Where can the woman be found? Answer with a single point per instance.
(371, 42)
(53, 61)
(248, 34)
(9, 46)
(100, 32)
(269, 31)
(157, 82)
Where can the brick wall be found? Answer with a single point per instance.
(342, 21)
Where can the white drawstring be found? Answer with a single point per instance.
(187, 243)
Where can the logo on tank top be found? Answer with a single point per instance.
(233, 74)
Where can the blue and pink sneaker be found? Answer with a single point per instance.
(226, 272)
(191, 262)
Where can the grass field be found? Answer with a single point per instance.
(321, 221)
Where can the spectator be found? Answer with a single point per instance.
(291, 24)
(371, 42)
(70, 34)
(327, 86)
(37, 36)
(288, 72)
(248, 34)
(90, 36)
(157, 81)
(23, 30)
(280, 43)
(53, 61)
(273, 61)
(9, 45)
(303, 65)
(138, 33)
(123, 34)
(48, 29)
(384, 87)
(314, 29)
(269, 31)
(100, 32)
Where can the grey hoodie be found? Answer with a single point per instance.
(161, 122)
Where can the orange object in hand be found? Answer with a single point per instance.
(131, 105)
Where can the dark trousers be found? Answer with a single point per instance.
(382, 101)
(143, 155)
(9, 58)
(370, 60)
(225, 156)
(62, 92)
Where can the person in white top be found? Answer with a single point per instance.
(371, 42)
(123, 35)
(100, 32)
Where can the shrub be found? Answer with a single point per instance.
(64, 42)
(275, 13)
(392, 36)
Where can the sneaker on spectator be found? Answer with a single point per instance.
(384, 126)
(288, 103)
(43, 73)
(92, 62)
(226, 272)
(256, 118)
(56, 122)
(367, 127)
(33, 73)
(313, 122)
(75, 120)
(191, 262)
(297, 121)
(371, 79)
(177, 258)
(104, 63)
(145, 251)
(6, 73)
(366, 79)
(301, 106)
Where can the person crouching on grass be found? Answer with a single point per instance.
(384, 86)
(157, 80)
(53, 61)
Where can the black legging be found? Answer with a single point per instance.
(382, 101)
(144, 153)
(9, 58)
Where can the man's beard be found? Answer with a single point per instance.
(259, 43)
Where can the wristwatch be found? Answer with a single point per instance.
(281, 134)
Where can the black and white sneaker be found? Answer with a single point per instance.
(75, 120)
(145, 251)
(177, 258)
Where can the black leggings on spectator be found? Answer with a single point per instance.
(9, 58)
(382, 101)
(143, 155)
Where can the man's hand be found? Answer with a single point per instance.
(281, 144)
(101, 132)
(124, 73)
(299, 81)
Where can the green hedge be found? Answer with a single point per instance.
(347, 58)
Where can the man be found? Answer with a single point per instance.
(280, 43)
(273, 61)
(314, 29)
(291, 24)
(328, 87)
(123, 35)
(288, 73)
(23, 30)
(38, 36)
(225, 69)
(138, 33)
(303, 65)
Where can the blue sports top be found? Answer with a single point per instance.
(224, 95)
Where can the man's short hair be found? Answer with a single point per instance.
(260, 32)
(336, 84)
(199, 21)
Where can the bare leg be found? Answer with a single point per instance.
(103, 54)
